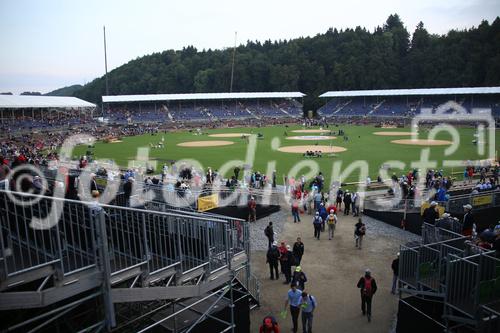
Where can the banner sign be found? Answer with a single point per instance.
(482, 200)
(208, 202)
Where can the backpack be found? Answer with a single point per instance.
(317, 220)
(312, 302)
(367, 291)
(332, 219)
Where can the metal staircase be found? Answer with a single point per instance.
(113, 256)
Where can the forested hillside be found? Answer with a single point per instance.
(65, 91)
(388, 57)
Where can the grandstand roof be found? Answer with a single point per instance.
(18, 102)
(199, 96)
(409, 92)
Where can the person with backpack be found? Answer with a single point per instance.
(332, 222)
(359, 233)
(273, 255)
(317, 222)
(323, 213)
(308, 305)
(269, 232)
(299, 278)
(269, 325)
(294, 298)
(368, 288)
(298, 251)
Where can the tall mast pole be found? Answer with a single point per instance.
(232, 65)
(106, 62)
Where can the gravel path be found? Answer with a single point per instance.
(375, 228)
(258, 241)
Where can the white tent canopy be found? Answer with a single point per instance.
(412, 92)
(27, 102)
(199, 96)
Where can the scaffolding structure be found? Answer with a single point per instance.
(449, 268)
(117, 268)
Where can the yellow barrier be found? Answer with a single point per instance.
(208, 202)
(482, 200)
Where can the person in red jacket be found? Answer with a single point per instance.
(269, 325)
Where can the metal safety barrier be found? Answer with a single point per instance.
(149, 240)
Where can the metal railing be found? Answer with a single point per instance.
(151, 240)
(433, 234)
(423, 267)
(472, 282)
(486, 199)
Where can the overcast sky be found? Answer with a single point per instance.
(48, 44)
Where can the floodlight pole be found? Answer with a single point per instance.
(232, 65)
(105, 62)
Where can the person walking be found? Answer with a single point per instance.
(295, 211)
(282, 250)
(252, 210)
(287, 263)
(269, 325)
(273, 255)
(395, 274)
(355, 204)
(323, 213)
(368, 288)
(294, 299)
(269, 232)
(338, 201)
(298, 251)
(468, 221)
(307, 305)
(347, 202)
(359, 233)
(317, 221)
(299, 278)
(332, 223)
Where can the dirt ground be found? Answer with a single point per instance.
(312, 138)
(333, 268)
(311, 131)
(303, 149)
(423, 142)
(392, 133)
(205, 143)
(229, 135)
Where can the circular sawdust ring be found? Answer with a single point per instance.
(392, 133)
(422, 142)
(311, 131)
(303, 149)
(229, 135)
(205, 143)
(311, 137)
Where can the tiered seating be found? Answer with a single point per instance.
(206, 111)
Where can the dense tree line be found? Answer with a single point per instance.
(387, 57)
(65, 91)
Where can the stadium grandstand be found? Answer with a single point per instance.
(405, 102)
(43, 112)
(202, 107)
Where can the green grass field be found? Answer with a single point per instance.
(362, 145)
